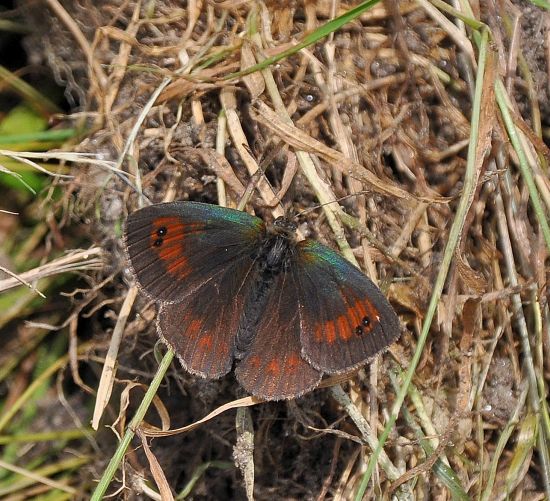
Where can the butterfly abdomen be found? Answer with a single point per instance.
(273, 259)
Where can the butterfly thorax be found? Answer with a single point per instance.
(284, 226)
(273, 258)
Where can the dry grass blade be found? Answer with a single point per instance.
(343, 399)
(38, 478)
(97, 75)
(156, 470)
(63, 156)
(21, 281)
(301, 141)
(412, 136)
(238, 136)
(244, 449)
(109, 367)
(73, 261)
(235, 404)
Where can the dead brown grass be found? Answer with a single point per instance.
(381, 107)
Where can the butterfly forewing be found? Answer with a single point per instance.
(344, 318)
(174, 248)
(273, 367)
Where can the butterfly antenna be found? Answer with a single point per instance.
(255, 179)
(252, 183)
(315, 207)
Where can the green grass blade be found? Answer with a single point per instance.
(113, 465)
(310, 39)
(454, 235)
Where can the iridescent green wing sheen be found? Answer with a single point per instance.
(175, 248)
(344, 318)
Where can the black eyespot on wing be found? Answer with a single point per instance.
(176, 247)
(345, 319)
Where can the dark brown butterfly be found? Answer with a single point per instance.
(232, 289)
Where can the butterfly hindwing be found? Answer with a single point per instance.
(174, 248)
(202, 328)
(273, 367)
(345, 319)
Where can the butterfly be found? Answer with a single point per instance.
(233, 290)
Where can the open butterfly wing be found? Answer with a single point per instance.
(202, 328)
(198, 261)
(273, 368)
(175, 248)
(345, 319)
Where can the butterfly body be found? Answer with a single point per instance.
(232, 289)
(278, 245)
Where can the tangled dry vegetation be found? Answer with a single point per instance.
(435, 119)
